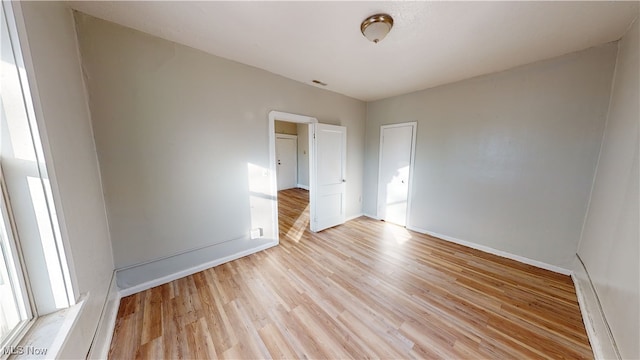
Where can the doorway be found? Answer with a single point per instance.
(397, 153)
(290, 150)
(326, 156)
(287, 165)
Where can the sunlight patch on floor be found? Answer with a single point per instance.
(398, 233)
(299, 226)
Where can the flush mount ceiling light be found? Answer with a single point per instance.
(376, 27)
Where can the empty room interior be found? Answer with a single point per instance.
(322, 180)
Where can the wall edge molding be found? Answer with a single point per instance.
(187, 271)
(490, 250)
(595, 322)
(353, 217)
(106, 325)
(374, 217)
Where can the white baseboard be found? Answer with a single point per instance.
(602, 343)
(306, 187)
(493, 251)
(374, 217)
(106, 325)
(145, 276)
(353, 217)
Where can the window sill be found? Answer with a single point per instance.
(48, 334)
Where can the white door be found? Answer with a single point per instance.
(286, 161)
(396, 162)
(328, 181)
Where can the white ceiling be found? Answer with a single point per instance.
(431, 43)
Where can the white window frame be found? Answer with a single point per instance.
(18, 278)
(45, 184)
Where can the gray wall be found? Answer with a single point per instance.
(180, 134)
(65, 128)
(610, 241)
(504, 160)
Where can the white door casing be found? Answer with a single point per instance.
(328, 178)
(286, 161)
(397, 148)
(273, 186)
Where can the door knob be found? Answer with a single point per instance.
(344, 180)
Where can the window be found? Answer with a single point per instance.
(14, 312)
(34, 274)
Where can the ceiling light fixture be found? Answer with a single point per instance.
(376, 27)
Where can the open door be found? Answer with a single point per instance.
(397, 147)
(328, 178)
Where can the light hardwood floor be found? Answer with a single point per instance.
(365, 289)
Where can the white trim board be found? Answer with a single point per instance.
(493, 251)
(294, 118)
(102, 339)
(286, 136)
(374, 217)
(305, 187)
(51, 331)
(602, 342)
(352, 217)
(139, 278)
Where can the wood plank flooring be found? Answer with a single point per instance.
(365, 289)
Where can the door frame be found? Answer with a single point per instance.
(414, 125)
(299, 119)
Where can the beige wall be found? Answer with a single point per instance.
(610, 241)
(505, 160)
(303, 155)
(66, 133)
(284, 127)
(302, 130)
(179, 134)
